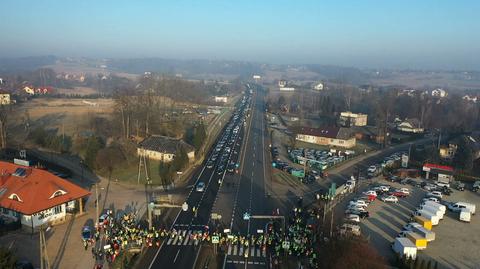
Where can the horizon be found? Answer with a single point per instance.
(402, 35)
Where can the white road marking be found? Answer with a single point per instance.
(176, 256)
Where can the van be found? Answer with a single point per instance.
(465, 215)
(435, 211)
(427, 224)
(457, 207)
(436, 205)
(428, 215)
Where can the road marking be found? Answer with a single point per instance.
(252, 251)
(176, 256)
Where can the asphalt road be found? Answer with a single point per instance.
(181, 251)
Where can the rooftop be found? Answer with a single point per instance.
(164, 144)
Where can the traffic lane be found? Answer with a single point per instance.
(175, 257)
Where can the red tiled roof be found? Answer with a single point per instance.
(35, 189)
(439, 167)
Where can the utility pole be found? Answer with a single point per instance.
(44, 262)
(96, 204)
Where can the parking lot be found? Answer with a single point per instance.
(452, 247)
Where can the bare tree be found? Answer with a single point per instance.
(5, 110)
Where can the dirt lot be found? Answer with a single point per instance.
(456, 243)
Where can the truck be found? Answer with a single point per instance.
(459, 206)
(465, 215)
(427, 224)
(437, 212)
(418, 240)
(430, 216)
(437, 205)
(419, 229)
(404, 248)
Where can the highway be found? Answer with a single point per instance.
(180, 251)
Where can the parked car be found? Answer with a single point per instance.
(459, 206)
(433, 199)
(398, 194)
(350, 229)
(476, 186)
(362, 213)
(370, 193)
(404, 190)
(436, 194)
(359, 202)
(390, 199)
(460, 186)
(446, 191)
(352, 218)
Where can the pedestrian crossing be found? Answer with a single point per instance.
(251, 251)
(183, 238)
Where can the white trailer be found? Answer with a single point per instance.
(437, 212)
(404, 247)
(429, 216)
(437, 205)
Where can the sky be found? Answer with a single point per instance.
(417, 34)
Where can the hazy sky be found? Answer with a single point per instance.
(365, 33)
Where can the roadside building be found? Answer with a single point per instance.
(470, 98)
(439, 93)
(447, 152)
(4, 98)
(35, 196)
(409, 126)
(348, 119)
(442, 173)
(221, 99)
(318, 86)
(164, 148)
(286, 89)
(256, 77)
(29, 90)
(282, 83)
(328, 136)
(368, 133)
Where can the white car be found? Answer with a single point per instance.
(410, 226)
(370, 193)
(436, 194)
(356, 207)
(200, 187)
(390, 198)
(384, 188)
(404, 190)
(352, 218)
(433, 199)
(358, 202)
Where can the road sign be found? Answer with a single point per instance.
(184, 206)
(226, 231)
(215, 239)
(246, 216)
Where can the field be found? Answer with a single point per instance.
(66, 115)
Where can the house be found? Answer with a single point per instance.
(369, 133)
(318, 86)
(348, 119)
(282, 83)
(286, 89)
(29, 90)
(447, 152)
(164, 148)
(328, 136)
(36, 197)
(472, 141)
(470, 98)
(257, 77)
(4, 98)
(409, 126)
(221, 99)
(439, 93)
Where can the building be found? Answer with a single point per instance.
(410, 126)
(163, 148)
(4, 98)
(471, 98)
(257, 77)
(328, 136)
(282, 83)
(286, 89)
(221, 99)
(35, 196)
(443, 173)
(447, 152)
(439, 93)
(368, 133)
(29, 90)
(318, 86)
(348, 119)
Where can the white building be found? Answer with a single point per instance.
(35, 196)
(469, 98)
(349, 119)
(256, 77)
(5, 99)
(164, 148)
(439, 93)
(319, 86)
(221, 99)
(287, 89)
(282, 83)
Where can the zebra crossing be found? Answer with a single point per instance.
(251, 251)
(183, 238)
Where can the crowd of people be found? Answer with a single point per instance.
(112, 236)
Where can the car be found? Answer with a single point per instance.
(359, 202)
(433, 199)
(435, 194)
(356, 207)
(352, 218)
(476, 186)
(390, 198)
(446, 191)
(200, 186)
(404, 190)
(350, 229)
(361, 213)
(210, 164)
(429, 187)
(460, 186)
(398, 194)
(443, 184)
(410, 226)
(370, 193)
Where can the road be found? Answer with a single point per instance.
(180, 251)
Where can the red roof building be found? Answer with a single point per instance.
(36, 196)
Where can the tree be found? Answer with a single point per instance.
(199, 136)
(464, 156)
(180, 160)
(93, 146)
(108, 159)
(166, 173)
(4, 112)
